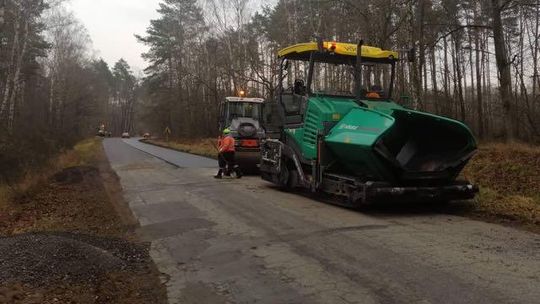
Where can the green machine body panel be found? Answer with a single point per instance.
(381, 140)
(353, 139)
(322, 111)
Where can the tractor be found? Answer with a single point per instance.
(334, 128)
(242, 116)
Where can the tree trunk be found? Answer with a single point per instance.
(8, 87)
(418, 67)
(503, 66)
(535, 57)
(446, 78)
(434, 85)
(458, 78)
(479, 101)
(16, 79)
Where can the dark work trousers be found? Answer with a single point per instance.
(226, 163)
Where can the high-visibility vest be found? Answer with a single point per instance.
(373, 95)
(226, 144)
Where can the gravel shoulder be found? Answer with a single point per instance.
(71, 240)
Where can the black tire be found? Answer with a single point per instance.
(288, 177)
(284, 177)
(238, 172)
(247, 130)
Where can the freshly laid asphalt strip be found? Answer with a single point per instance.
(243, 241)
(180, 159)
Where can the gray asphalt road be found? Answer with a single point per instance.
(179, 159)
(242, 241)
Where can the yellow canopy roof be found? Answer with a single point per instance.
(302, 51)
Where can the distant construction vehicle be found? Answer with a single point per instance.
(338, 131)
(243, 117)
(102, 132)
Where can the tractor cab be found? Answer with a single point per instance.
(238, 110)
(335, 70)
(243, 117)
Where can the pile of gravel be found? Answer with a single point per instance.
(40, 258)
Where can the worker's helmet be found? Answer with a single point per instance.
(227, 131)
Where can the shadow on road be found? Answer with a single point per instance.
(388, 209)
(417, 208)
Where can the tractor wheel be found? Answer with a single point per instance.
(288, 178)
(284, 176)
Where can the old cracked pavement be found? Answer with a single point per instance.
(243, 241)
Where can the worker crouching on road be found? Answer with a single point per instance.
(227, 164)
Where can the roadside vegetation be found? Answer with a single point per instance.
(66, 236)
(24, 194)
(30, 181)
(509, 180)
(54, 92)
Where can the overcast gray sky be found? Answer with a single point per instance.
(112, 23)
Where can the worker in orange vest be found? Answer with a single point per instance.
(373, 95)
(226, 159)
(375, 92)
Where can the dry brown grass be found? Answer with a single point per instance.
(84, 153)
(509, 180)
(203, 147)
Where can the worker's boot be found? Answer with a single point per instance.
(219, 175)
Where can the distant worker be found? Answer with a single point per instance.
(299, 87)
(226, 157)
(373, 95)
(375, 92)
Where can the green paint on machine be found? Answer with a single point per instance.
(380, 139)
